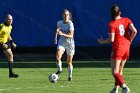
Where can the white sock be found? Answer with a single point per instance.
(124, 85)
(116, 87)
(70, 68)
(59, 65)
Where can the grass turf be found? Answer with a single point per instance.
(85, 80)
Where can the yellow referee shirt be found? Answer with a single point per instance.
(4, 32)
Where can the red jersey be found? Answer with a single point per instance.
(120, 27)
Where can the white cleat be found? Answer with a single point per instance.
(126, 90)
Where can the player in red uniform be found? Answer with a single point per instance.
(121, 38)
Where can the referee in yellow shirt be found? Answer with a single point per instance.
(6, 41)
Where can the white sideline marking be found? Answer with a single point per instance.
(4, 89)
(63, 86)
(28, 88)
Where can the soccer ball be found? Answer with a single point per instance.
(53, 78)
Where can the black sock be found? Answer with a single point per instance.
(10, 65)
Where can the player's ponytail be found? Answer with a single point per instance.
(115, 11)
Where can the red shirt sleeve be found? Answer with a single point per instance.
(128, 21)
(111, 29)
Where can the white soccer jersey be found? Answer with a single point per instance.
(65, 42)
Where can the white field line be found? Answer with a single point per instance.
(21, 88)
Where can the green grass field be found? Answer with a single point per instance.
(34, 79)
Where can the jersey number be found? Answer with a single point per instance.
(122, 31)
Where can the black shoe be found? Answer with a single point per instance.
(58, 72)
(70, 79)
(13, 75)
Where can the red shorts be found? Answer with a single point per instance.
(120, 54)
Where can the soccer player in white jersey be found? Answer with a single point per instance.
(65, 31)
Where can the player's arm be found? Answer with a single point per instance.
(69, 35)
(0, 33)
(1, 28)
(134, 32)
(5, 46)
(56, 34)
(108, 40)
(11, 41)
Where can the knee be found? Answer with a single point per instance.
(11, 55)
(114, 72)
(69, 63)
(58, 58)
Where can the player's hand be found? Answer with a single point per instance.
(55, 40)
(101, 40)
(60, 33)
(130, 41)
(5, 46)
(14, 45)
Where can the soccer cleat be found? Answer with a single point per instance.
(13, 75)
(58, 72)
(114, 90)
(69, 78)
(126, 90)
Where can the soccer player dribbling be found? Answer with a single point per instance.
(121, 39)
(65, 29)
(5, 41)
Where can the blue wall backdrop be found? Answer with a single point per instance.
(35, 20)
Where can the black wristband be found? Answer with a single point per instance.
(11, 41)
(1, 43)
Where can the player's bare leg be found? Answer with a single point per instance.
(122, 66)
(115, 65)
(126, 89)
(9, 55)
(117, 68)
(58, 59)
(70, 67)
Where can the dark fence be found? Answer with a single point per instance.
(82, 53)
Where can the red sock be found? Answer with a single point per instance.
(117, 83)
(118, 79)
